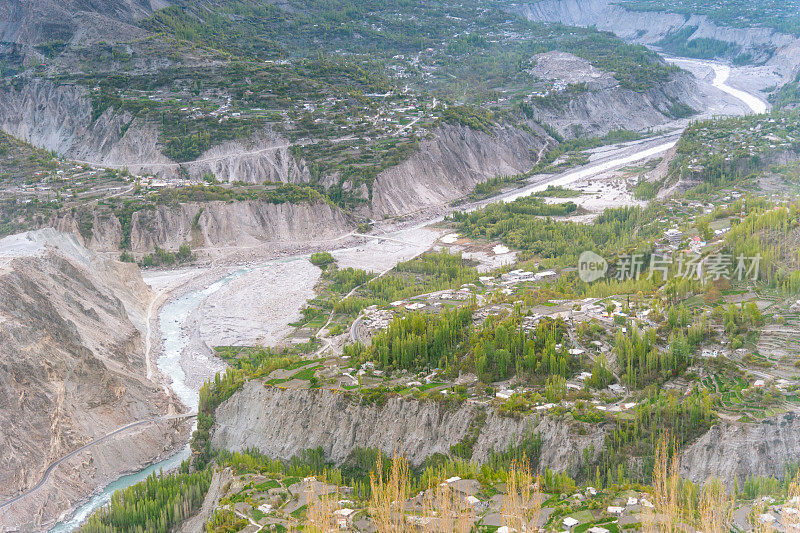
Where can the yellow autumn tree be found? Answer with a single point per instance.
(445, 510)
(522, 503)
(389, 494)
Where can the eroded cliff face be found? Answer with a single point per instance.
(449, 166)
(222, 224)
(60, 118)
(265, 159)
(606, 105)
(651, 27)
(733, 450)
(210, 225)
(282, 423)
(72, 369)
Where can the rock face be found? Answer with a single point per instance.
(266, 159)
(211, 225)
(282, 423)
(221, 224)
(60, 118)
(450, 165)
(31, 22)
(72, 369)
(733, 450)
(651, 27)
(605, 105)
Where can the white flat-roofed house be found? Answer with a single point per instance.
(344, 517)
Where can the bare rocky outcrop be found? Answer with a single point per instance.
(449, 165)
(60, 118)
(208, 225)
(606, 105)
(264, 159)
(282, 423)
(221, 224)
(31, 22)
(72, 369)
(734, 450)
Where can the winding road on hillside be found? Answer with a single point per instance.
(49, 470)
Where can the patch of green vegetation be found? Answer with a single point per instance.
(171, 498)
(306, 374)
(680, 43)
(557, 191)
(646, 190)
(788, 96)
(322, 259)
(267, 485)
(161, 257)
(519, 227)
(431, 271)
(470, 116)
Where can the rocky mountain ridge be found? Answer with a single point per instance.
(447, 166)
(734, 450)
(283, 422)
(32, 22)
(72, 369)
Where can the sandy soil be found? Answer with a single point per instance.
(386, 250)
(599, 193)
(257, 307)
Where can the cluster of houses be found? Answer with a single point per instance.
(517, 276)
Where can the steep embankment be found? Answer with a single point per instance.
(763, 44)
(605, 104)
(449, 166)
(734, 450)
(72, 369)
(60, 118)
(281, 423)
(211, 224)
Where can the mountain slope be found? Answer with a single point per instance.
(72, 369)
(34, 22)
